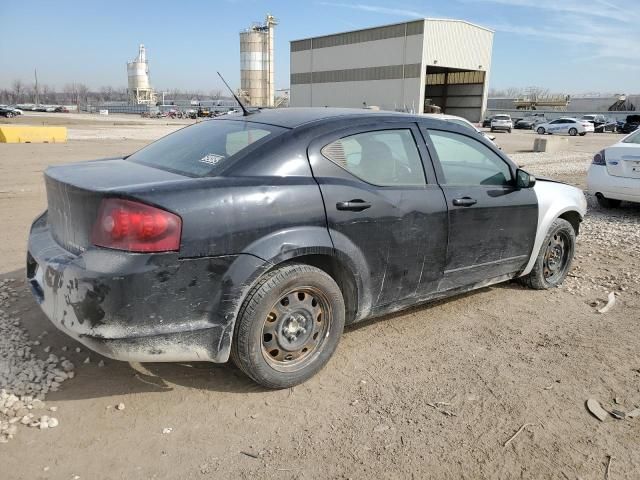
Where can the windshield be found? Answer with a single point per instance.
(502, 117)
(200, 149)
(633, 138)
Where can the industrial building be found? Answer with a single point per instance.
(140, 91)
(406, 66)
(256, 64)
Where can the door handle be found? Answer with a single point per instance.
(355, 205)
(464, 202)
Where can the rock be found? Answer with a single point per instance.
(87, 360)
(167, 430)
(101, 363)
(120, 406)
(596, 410)
(53, 422)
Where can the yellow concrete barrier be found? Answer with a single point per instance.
(28, 134)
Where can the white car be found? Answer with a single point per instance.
(501, 122)
(463, 122)
(614, 174)
(570, 126)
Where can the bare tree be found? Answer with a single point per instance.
(18, 90)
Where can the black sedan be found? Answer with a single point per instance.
(259, 237)
(631, 124)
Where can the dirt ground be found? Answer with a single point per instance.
(497, 359)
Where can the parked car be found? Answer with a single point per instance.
(614, 174)
(61, 109)
(570, 126)
(465, 123)
(259, 237)
(501, 122)
(631, 124)
(14, 110)
(7, 112)
(529, 123)
(486, 123)
(600, 123)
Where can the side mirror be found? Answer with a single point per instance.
(524, 179)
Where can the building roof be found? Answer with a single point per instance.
(426, 19)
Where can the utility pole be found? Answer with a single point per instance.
(35, 72)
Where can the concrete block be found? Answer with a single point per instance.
(549, 144)
(30, 134)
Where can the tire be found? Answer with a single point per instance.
(509, 130)
(288, 326)
(605, 202)
(583, 134)
(573, 132)
(540, 131)
(549, 271)
(492, 130)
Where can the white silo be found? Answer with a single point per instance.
(256, 63)
(140, 91)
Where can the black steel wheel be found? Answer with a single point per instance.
(295, 329)
(289, 326)
(554, 258)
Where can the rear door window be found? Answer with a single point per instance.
(204, 148)
(382, 157)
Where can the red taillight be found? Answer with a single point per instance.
(599, 158)
(136, 227)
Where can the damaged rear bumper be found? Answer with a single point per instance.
(132, 307)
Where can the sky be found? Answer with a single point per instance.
(568, 46)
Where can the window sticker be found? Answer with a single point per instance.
(211, 158)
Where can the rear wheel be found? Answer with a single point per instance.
(555, 257)
(289, 326)
(583, 134)
(573, 132)
(540, 131)
(607, 202)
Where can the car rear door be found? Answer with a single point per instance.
(492, 223)
(381, 207)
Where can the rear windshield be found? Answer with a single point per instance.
(502, 117)
(633, 138)
(201, 149)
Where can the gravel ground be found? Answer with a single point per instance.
(25, 378)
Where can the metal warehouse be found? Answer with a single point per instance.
(404, 66)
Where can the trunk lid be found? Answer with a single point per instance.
(74, 193)
(623, 160)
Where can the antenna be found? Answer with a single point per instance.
(245, 112)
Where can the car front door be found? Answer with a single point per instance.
(558, 126)
(492, 223)
(382, 209)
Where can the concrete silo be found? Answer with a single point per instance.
(256, 63)
(140, 91)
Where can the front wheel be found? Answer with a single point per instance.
(289, 326)
(540, 131)
(573, 132)
(555, 257)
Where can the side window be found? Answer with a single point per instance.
(382, 157)
(466, 161)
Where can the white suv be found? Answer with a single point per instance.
(501, 122)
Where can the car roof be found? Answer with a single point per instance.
(293, 117)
